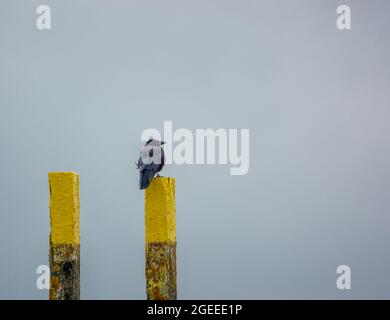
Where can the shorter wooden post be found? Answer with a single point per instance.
(160, 239)
(64, 252)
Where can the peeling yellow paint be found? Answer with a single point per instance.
(64, 207)
(160, 210)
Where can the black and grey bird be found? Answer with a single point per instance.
(150, 162)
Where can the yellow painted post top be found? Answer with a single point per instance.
(160, 210)
(64, 207)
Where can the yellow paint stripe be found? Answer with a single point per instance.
(64, 207)
(160, 210)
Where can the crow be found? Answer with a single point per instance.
(150, 162)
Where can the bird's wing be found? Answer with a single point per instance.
(138, 163)
(150, 167)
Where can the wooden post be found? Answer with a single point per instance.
(160, 239)
(64, 249)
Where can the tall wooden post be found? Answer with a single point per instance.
(64, 249)
(160, 239)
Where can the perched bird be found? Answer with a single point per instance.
(150, 162)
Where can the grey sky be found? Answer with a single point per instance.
(316, 101)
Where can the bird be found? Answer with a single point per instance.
(150, 162)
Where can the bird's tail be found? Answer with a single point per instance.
(145, 177)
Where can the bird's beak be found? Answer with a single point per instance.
(162, 142)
